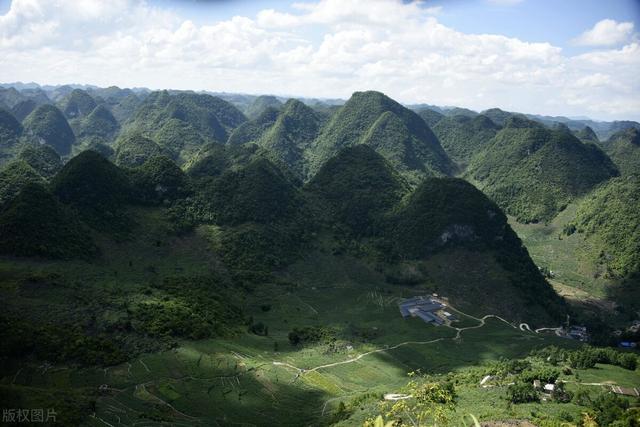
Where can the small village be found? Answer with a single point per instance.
(429, 309)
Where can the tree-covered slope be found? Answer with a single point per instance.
(445, 213)
(159, 179)
(293, 132)
(463, 137)
(624, 149)
(252, 130)
(357, 187)
(78, 104)
(10, 127)
(431, 117)
(23, 108)
(96, 188)
(587, 134)
(10, 131)
(259, 192)
(609, 218)
(42, 158)
(133, 149)
(260, 104)
(533, 172)
(35, 223)
(212, 117)
(46, 124)
(14, 176)
(499, 116)
(179, 139)
(394, 131)
(99, 125)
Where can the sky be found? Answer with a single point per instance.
(569, 57)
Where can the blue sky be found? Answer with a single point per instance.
(565, 57)
(552, 21)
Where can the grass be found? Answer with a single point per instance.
(569, 257)
(233, 380)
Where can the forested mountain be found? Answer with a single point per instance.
(431, 117)
(133, 149)
(14, 177)
(35, 223)
(394, 131)
(211, 117)
(357, 188)
(587, 135)
(46, 124)
(260, 104)
(77, 104)
(293, 133)
(624, 149)
(463, 137)
(610, 219)
(99, 126)
(10, 127)
(252, 130)
(533, 172)
(42, 158)
(174, 255)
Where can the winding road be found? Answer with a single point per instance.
(482, 322)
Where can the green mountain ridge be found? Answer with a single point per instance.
(624, 149)
(293, 132)
(48, 125)
(533, 172)
(396, 132)
(463, 137)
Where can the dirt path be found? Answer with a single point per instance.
(482, 322)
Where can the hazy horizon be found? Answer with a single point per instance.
(478, 54)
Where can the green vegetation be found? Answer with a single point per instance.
(23, 108)
(610, 219)
(46, 124)
(293, 132)
(100, 124)
(133, 149)
(252, 130)
(227, 271)
(34, 223)
(533, 172)
(501, 117)
(42, 158)
(395, 132)
(624, 149)
(78, 104)
(212, 117)
(587, 135)
(179, 138)
(463, 137)
(197, 308)
(14, 177)
(160, 179)
(358, 187)
(10, 127)
(431, 117)
(260, 193)
(261, 104)
(96, 188)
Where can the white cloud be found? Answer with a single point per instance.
(398, 48)
(606, 33)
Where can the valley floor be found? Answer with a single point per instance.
(263, 380)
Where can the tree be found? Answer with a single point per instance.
(522, 393)
(431, 403)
